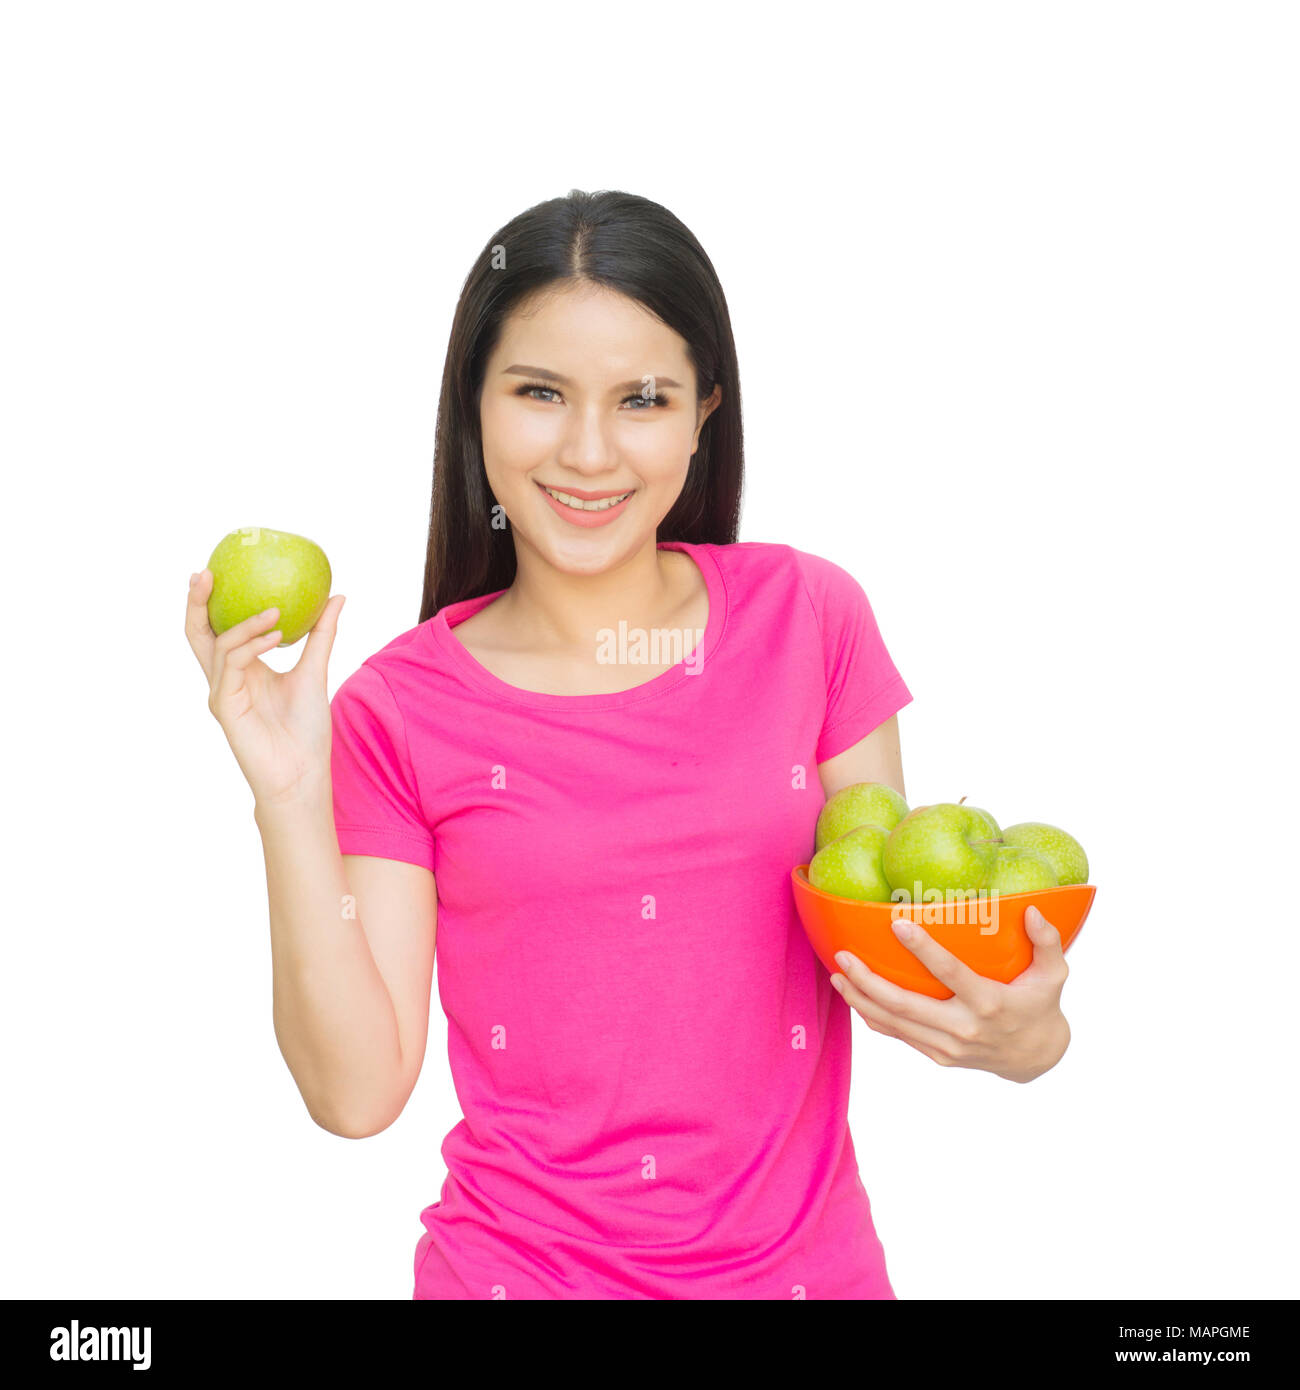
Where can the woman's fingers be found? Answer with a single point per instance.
(198, 630)
(919, 1034)
(251, 627)
(243, 641)
(241, 656)
(212, 650)
(320, 640)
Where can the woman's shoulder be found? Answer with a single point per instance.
(775, 578)
(401, 669)
(751, 556)
(754, 559)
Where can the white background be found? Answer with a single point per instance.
(1015, 293)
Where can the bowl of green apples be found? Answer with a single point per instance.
(949, 867)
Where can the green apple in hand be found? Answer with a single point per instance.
(851, 866)
(864, 803)
(1063, 852)
(946, 847)
(254, 569)
(1018, 869)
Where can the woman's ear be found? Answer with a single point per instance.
(705, 410)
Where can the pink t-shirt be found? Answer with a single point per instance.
(652, 1064)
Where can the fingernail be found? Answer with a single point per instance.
(193, 577)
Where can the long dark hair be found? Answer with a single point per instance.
(625, 243)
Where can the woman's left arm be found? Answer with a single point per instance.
(1017, 1030)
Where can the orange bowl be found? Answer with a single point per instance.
(987, 935)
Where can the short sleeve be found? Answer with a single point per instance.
(863, 686)
(376, 805)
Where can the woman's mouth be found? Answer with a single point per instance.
(586, 512)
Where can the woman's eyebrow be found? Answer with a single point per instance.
(634, 385)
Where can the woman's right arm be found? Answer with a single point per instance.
(352, 949)
(352, 938)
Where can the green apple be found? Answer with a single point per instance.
(851, 867)
(994, 832)
(254, 569)
(945, 848)
(864, 803)
(1063, 852)
(1018, 869)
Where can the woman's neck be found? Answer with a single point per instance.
(564, 612)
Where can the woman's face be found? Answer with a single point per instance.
(589, 395)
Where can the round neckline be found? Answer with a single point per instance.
(441, 624)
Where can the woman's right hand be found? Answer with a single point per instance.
(277, 723)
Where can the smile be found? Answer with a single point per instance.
(602, 504)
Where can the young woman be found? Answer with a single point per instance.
(592, 765)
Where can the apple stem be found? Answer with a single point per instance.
(962, 799)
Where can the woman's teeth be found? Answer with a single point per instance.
(603, 505)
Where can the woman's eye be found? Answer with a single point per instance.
(643, 401)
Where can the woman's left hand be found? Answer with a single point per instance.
(1017, 1031)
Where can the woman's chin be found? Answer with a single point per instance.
(585, 554)
(587, 549)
